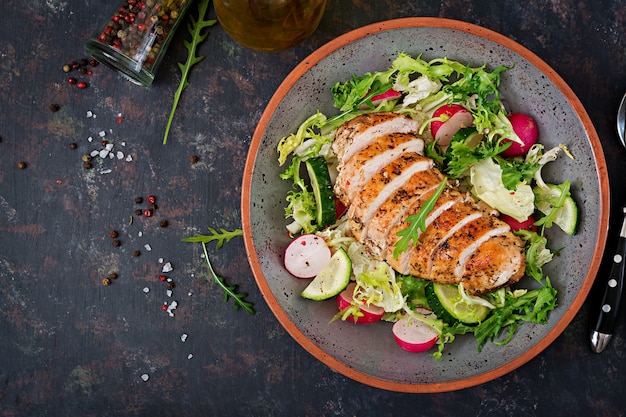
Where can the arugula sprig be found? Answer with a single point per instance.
(223, 236)
(230, 291)
(417, 223)
(196, 28)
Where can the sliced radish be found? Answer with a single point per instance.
(453, 118)
(414, 335)
(528, 224)
(306, 255)
(371, 313)
(390, 94)
(526, 129)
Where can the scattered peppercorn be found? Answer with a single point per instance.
(136, 253)
(151, 199)
(113, 234)
(86, 157)
(54, 107)
(106, 281)
(116, 243)
(105, 142)
(87, 165)
(152, 206)
(164, 307)
(171, 285)
(73, 145)
(138, 200)
(162, 278)
(147, 213)
(21, 165)
(113, 275)
(67, 68)
(82, 84)
(83, 62)
(163, 223)
(138, 212)
(71, 80)
(93, 63)
(193, 159)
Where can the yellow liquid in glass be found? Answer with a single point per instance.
(269, 25)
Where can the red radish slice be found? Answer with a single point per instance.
(340, 208)
(390, 94)
(413, 335)
(306, 255)
(528, 224)
(526, 129)
(371, 313)
(453, 118)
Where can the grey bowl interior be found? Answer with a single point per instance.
(369, 353)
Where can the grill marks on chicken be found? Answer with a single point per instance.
(384, 178)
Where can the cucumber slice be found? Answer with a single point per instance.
(332, 279)
(322, 191)
(567, 215)
(447, 304)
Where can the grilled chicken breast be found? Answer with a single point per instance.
(383, 178)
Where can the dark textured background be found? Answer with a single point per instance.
(70, 346)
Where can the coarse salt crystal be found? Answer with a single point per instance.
(90, 139)
(148, 247)
(189, 356)
(105, 171)
(146, 290)
(102, 133)
(103, 153)
(111, 155)
(145, 377)
(171, 308)
(123, 143)
(167, 267)
(160, 260)
(109, 146)
(183, 337)
(120, 155)
(129, 158)
(89, 113)
(168, 293)
(94, 152)
(140, 233)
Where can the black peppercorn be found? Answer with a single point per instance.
(193, 159)
(113, 275)
(138, 200)
(87, 165)
(73, 145)
(116, 243)
(54, 107)
(170, 284)
(21, 165)
(113, 234)
(163, 223)
(138, 212)
(136, 253)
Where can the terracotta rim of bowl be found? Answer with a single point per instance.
(273, 104)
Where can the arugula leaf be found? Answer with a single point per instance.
(417, 223)
(230, 291)
(223, 236)
(196, 29)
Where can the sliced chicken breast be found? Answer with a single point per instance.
(358, 170)
(382, 186)
(384, 178)
(360, 131)
(413, 193)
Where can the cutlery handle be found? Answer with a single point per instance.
(609, 307)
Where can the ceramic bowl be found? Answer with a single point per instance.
(368, 353)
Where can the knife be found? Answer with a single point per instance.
(602, 330)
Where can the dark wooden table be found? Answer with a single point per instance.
(70, 346)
